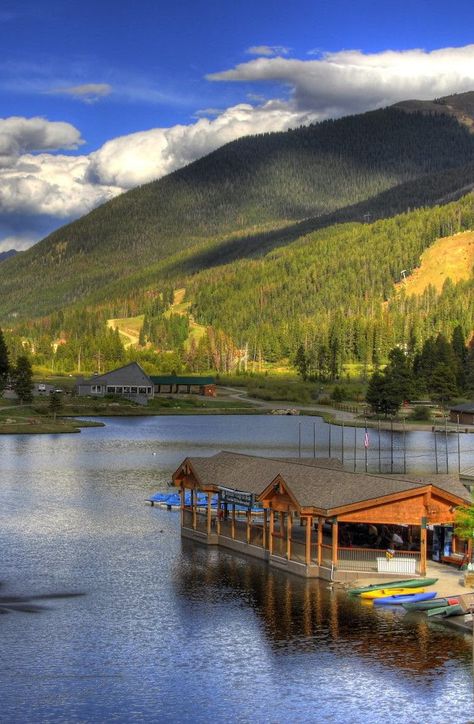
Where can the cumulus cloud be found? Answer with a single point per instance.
(268, 50)
(87, 92)
(140, 157)
(20, 135)
(57, 186)
(351, 81)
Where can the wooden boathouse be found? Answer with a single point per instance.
(313, 518)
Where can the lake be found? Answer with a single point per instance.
(170, 631)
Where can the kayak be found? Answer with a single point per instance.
(455, 610)
(404, 598)
(408, 583)
(434, 603)
(383, 592)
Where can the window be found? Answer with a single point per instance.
(119, 390)
(148, 389)
(110, 389)
(96, 388)
(134, 390)
(142, 390)
(126, 390)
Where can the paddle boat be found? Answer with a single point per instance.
(404, 598)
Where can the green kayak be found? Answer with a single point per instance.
(409, 583)
(454, 610)
(434, 603)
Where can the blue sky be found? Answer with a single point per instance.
(96, 97)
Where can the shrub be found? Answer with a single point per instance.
(421, 414)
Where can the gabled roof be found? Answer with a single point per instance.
(314, 483)
(132, 373)
(464, 407)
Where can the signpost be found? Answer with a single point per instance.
(237, 497)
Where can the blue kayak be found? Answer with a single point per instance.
(404, 598)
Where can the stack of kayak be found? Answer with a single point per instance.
(446, 606)
(397, 592)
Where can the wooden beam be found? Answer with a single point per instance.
(309, 526)
(182, 498)
(288, 535)
(193, 502)
(423, 547)
(272, 528)
(334, 534)
(249, 523)
(264, 531)
(209, 513)
(232, 529)
(320, 540)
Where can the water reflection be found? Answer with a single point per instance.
(309, 616)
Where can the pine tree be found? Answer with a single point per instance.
(23, 379)
(4, 363)
(55, 403)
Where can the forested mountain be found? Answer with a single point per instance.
(244, 198)
(7, 254)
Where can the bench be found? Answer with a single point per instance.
(456, 559)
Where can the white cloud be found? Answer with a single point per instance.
(19, 242)
(351, 81)
(140, 157)
(20, 135)
(268, 50)
(54, 185)
(87, 92)
(41, 184)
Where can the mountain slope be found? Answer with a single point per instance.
(255, 184)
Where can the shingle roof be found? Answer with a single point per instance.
(314, 482)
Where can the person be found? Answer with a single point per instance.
(397, 541)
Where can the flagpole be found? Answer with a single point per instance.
(342, 441)
(366, 443)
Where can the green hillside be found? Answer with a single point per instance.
(246, 197)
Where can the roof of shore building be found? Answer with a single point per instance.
(314, 482)
(181, 380)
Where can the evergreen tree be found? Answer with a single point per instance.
(460, 352)
(23, 379)
(55, 403)
(4, 363)
(301, 362)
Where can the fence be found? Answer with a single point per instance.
(365, 559)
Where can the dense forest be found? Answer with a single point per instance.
(330, 293)
(238, 197)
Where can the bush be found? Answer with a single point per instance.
(421, 414)
(339, 394)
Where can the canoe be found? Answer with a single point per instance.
(434, 603)
(454, 610)
(408, 583)
(383, 592)
(404, 598)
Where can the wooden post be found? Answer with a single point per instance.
(288, 535)
(209, 512)
(232, 530)
(454, 544)
(270, 533)
(183, 499)
(469, 549)
(320, 540)
(309, 526)
(423, 547)
(334, 534)
(264, 531)
(218, 515)
(249, 523)
(193, 502)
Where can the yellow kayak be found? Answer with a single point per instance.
(390, 592)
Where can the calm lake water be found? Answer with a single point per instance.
(169, 631)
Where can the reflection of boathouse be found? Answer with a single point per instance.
(316, 519)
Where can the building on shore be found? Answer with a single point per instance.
(169, 384)
(129, 381)
(315, 519)
(462, 414)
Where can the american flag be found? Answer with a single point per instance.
(366, 439)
